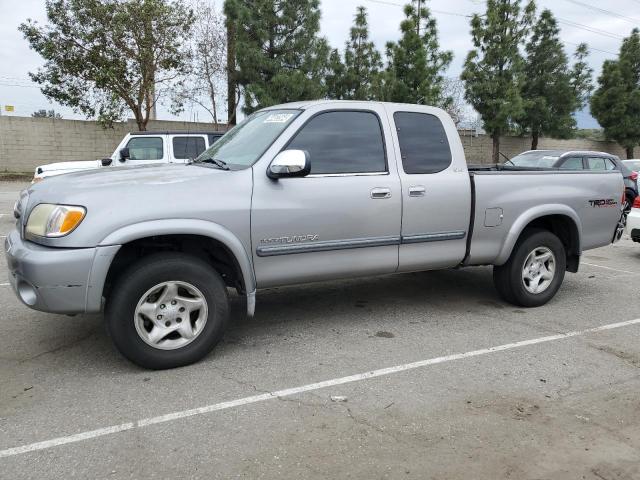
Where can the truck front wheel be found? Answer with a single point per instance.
(535, 270)
(167, 310)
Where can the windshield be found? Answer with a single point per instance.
(243, 145)
(534, 159)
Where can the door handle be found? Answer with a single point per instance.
(380, 193)
(417, 191)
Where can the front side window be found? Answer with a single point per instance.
(188, 147)
(342, 142)
(145, 148)
(573, 163)
(242, 146)
(423, 143)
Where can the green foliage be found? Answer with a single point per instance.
(335, 81)
(616, 102)
(42, 113)
(415, 62)
(492, 70)
(104, 57)
(551, 91)
(280, 57)
(362, 61)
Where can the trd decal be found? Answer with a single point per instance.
(604, 202)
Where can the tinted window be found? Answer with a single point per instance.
(342, 142)
(213, 137)
(423, 142)
(596, 163)
(573, 163)
(145, 148)
(188, 147)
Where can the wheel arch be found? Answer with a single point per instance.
(561, 220)
(212, 241)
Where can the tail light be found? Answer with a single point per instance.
(634, 176)
(636, 202)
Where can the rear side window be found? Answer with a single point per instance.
(213, 138)
(188, 147)
(573, 163)
(597, 163)
(423, 142)
(145, 148)
(342, 142)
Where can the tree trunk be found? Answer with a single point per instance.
(534, 140)
(629, 152)
(232, 85)
(495, 158)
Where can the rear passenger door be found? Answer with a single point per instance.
(341, 220)
(436, 193)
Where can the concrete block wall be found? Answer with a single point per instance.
(27, 142)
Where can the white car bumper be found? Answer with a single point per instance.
(633, 224)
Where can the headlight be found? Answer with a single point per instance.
(47, 220)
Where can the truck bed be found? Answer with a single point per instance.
(505, 199)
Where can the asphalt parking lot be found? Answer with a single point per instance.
(425, 376)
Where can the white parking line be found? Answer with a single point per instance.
(609, 268)
(79, 437)
(4, 284)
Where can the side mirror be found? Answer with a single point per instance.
(289, 163)
(124, 154)
(106, 162)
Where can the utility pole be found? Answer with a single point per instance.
(232, 85)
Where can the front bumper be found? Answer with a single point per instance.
(57, 280)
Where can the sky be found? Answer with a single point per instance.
(600, 24)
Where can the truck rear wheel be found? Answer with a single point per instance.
(167, 310)
(535, 270)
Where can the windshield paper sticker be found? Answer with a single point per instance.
(278, 118)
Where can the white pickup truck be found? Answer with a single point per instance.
(140, 148)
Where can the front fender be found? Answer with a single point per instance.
(526, 218)
(188, 227)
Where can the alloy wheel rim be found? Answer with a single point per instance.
(539, 270)
(171, 315)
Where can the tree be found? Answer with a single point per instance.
(42, 113)
(550, 92)
(492, 69)
(279, 56)
(206, 79)
(616, 102)
(362, 61)
(335, 80)
(104, 57)
(456, 106)
(415, 62)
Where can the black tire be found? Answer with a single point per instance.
(130, 287)
(508, 278)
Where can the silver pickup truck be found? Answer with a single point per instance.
(296, 193)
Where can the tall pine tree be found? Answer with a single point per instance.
(550, 93)
(362, 61)
(616, 102)
(493, 68)
(415, 62)
(279, 55)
